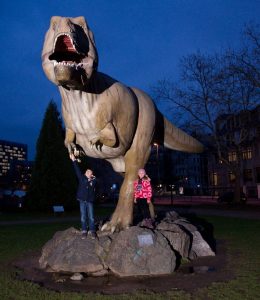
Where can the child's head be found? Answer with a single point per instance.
(141, 173)
(89, 173)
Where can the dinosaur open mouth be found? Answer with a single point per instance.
(65, 50)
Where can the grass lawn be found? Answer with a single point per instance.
(26, 215)
(243, 253)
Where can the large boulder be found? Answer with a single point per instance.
(68, 252)
(179, 239)
(199, 246)
(140, 251)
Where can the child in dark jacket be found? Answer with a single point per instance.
(86, 197)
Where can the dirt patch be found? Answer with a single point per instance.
(189, 277)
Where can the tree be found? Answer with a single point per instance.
(246, 61)
(212, 89)
(53, 180)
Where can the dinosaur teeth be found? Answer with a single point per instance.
(65, 63)
(69, 64)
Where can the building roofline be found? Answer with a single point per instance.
(9, 143)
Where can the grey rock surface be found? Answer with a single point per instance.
(171, 216)
(68, 252)
(200, 247)
(186, 225)
(140, 251)
(178, 238)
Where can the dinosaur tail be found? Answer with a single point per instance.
(176, 139)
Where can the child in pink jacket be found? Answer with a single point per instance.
(143, 195)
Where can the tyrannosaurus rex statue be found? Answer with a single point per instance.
(106, 118)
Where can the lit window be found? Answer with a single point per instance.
(214, 178)
(247, 153)
(231, 177)
(232, 156)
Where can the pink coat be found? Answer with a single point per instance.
(143, 190)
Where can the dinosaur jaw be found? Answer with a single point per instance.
(70, 75)
(72, 66)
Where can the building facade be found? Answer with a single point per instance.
(19, 175)
(242, 136)
(185, 172)
(190, 172)
(12, 155)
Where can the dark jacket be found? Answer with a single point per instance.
(86, 187)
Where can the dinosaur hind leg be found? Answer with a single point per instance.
(123, 215)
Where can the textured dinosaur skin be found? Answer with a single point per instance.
(103, 116)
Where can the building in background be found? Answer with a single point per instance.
(246, 155)
(190, 172)
(13, 159)
(185, 173)
(19, 175)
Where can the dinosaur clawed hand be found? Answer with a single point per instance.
(96, 143)
(76, 150)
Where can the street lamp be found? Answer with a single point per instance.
(157, 161)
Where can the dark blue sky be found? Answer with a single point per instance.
(138, 41)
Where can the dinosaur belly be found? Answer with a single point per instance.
(88, 117)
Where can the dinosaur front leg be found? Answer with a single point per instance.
(69, 140)
(71, 146)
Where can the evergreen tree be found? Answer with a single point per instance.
(53, 180)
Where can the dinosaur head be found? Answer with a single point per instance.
(69, 55)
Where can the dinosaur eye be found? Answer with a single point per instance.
(54, 24)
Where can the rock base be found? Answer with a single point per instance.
(137, 251)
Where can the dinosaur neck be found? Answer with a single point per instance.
(97, 84)
(77, 98)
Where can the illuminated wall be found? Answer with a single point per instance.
(10, 152)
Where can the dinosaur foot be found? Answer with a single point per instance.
(113, 226)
